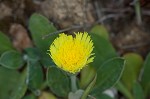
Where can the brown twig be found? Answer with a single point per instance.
(98, 11)
(63, 30)
(125, 10)
(122, 10)
(135, 45)
(146, 12)
(109, 16)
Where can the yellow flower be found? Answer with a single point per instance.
(72, 54)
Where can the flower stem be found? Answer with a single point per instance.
(88, 89)
(73, 83)
(124, 90)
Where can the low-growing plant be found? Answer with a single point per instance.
(135, 82)
(33, 74)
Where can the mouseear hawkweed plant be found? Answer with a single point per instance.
(71, 54)
(78, 66)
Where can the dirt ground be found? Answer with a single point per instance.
(127, 33)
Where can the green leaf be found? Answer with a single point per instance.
(58, 82)
(8, 82)
(39, 27)
(46, 60)
(86, 76)
(121, 88)
(132, 69)
(88, 89)
(103, 51)
(11, 60)
(35, 77)
(101, 31)
(5, 43)
(145, 81)
(21, 87)
(109, 73)
(138, 91)
(32, 54)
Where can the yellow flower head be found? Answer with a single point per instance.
(72, 54)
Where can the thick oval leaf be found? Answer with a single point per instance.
(121, 88)
(103, 51)
(138, 91)
(109, 73)
(32, 54)
(46, 60)
(11, 60)
(21, 87)
(39, 27)
(8, 82)
(101, 31)
(88, 89)
(146, 76)
(34, 77)
(5, 43)
(58, 82)
(132, 69)
(86, 76)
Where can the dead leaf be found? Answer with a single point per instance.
(20, 38)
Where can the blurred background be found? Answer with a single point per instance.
(127, 23)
